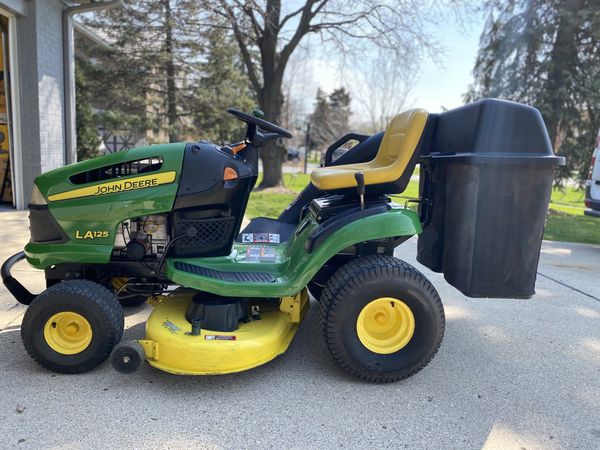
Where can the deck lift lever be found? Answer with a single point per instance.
(360, 187)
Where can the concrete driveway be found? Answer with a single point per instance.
(520, 374)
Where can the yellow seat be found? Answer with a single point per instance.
(399, 142)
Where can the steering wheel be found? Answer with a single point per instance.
(253, 120)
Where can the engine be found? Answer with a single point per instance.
(141, 238)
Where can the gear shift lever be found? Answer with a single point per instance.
(360, 187)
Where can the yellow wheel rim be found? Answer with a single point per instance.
(68, 333)
(385, 325)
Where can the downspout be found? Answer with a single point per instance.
(69, 69)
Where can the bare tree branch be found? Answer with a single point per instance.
(239, 37)
(302, 29)
(268, 32)
(291, 15)
(249, 8)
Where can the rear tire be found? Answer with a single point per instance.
(413, 306)
(72, 326)
(318, 282)
(315, 289)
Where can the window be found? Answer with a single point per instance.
(123, 169)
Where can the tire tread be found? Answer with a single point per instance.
(94, 292)
(350, 277)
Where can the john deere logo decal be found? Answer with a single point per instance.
(111, 187)
(126, 186)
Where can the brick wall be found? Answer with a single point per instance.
(39, 40)
(51, 83)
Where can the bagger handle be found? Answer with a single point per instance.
(18, 291)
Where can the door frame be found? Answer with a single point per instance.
(14, 117)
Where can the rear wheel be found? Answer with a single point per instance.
(318, 282)
(315, 289)
(382, 320)
(72, 326)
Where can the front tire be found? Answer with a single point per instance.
(382, 320)
(72, 326)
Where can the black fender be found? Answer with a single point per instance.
(334, 223)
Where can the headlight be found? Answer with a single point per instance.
(36, 197)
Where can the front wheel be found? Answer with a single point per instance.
(72, 326)
(382, 320)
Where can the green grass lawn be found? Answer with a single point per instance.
(270, 204)
(568, 200)
(569, 225)
(573, 228)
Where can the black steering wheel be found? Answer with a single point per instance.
(253, 120)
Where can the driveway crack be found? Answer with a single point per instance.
(570, 287)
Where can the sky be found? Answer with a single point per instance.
(439, 84)
(444, 86)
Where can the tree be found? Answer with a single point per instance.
(383, 87)
(223, 83)
(158, 42)
(88, 141)
(546, 54)
(267, 34)
(330, 119)
(116, 91)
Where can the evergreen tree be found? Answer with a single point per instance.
(330, 119)
(157, 43)
(547, 54)
(88, 141)
(339, 101)
(116, 91)
(222, 84)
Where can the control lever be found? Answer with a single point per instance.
(360, 188)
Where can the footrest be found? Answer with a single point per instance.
(244, 277)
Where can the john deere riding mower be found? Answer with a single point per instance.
(162, 223)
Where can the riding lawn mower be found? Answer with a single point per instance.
(162, 224)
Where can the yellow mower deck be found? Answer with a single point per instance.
(169, 346)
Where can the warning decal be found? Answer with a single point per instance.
(219, 337)
(262, 254)
(264, 238)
